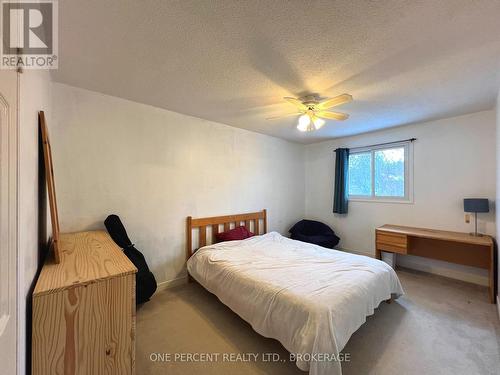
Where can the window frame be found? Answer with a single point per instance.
(408, 173)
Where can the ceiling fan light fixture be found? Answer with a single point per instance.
(304, 122)
(318, 123)
(313, 112)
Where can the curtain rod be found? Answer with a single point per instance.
(386, 143)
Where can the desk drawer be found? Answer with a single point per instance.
(393, 242)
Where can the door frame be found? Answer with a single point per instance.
(11, 118)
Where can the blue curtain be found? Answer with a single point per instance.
(341, 177)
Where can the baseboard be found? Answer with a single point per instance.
(453, 271)
(171, 283)
(498, 306)
(356, 252)
(450, 270)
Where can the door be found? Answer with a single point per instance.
(8, 221)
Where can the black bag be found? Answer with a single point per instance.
(145, 282)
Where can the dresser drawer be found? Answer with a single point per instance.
(393, 242)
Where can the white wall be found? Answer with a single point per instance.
(453, 158)
(498, 190)
(155, 167)
(34, 96)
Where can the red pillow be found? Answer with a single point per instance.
(238, 233)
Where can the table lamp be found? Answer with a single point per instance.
(476, 205)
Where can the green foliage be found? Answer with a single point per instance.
(360, 166)
(389, 174)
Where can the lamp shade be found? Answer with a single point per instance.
(476, 205)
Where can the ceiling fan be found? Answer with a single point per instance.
(312, 111)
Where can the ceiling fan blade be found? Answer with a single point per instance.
(296, 102)
(338, 100)
(333, 115)
(283, 116)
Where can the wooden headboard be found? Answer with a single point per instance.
(206, 237)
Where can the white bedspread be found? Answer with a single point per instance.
(310, 298)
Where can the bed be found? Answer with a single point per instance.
(310, 298)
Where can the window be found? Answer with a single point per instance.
(381, 173)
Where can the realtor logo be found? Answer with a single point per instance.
(29, 34)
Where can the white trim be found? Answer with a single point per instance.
(4, 319)
(21, 352)
(432, 267)
(8, 158)
(356, 252)
(399, 201)
(498, 306)
(438, 267)
(171, 283)
(408, 153)
(12, 161)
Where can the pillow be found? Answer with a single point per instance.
(238, 233)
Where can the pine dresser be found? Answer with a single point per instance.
(84, 309)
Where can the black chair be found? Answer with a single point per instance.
(314, 232)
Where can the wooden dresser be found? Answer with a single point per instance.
(454, 247)
(84, 309)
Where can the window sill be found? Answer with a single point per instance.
(398, 201)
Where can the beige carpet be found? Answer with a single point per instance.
(440, 326)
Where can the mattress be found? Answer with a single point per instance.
(310, 298)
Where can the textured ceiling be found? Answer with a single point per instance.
(232, 61)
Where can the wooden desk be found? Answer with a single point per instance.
(454, 247)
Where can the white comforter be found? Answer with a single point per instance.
(310, 298)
